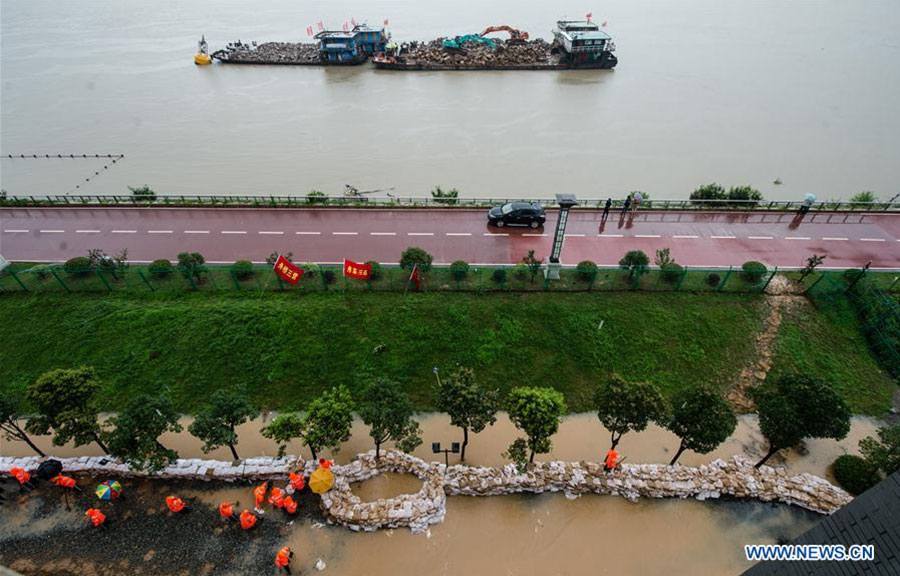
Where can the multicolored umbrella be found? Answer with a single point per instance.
(321, 480)
(109, 490)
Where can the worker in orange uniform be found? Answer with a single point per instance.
(298, 482)
(283, 559)
(290, 505)
(248, 520)
(22, 476)
(259, 493)
(226, 511)
(611, 462)
(97, 518)
(326, 464)
(65, 482)
(277, 497)
(175, 504)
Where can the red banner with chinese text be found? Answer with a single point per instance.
(355, 270)
(287, 271)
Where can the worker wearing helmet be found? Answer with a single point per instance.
(290, 505)
(283, 559)
(97, 518)
(277, 497)
(23, 477)
(226, 511)
(175, 504)
(259, 493)
(248, 520)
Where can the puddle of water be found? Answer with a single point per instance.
(580, 437)
(386, 485)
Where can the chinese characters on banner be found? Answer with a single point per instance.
(288, 272)
(355, 270)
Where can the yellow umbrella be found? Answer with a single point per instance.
(321, 480)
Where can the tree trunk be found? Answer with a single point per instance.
(14, 432)
(160, 446)
(316, 456)
(234, 452)
(462, 455)
(772, 450)
(677, 454)
(531, 458)
(377, 450)
(101, 444)
(615, 440)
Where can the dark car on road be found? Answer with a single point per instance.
(517, 213)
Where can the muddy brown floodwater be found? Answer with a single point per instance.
(516, 535)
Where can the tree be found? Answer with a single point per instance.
(144, 193)
(865, 197)
(328, 420)
(701, 418)
(388, 412)
(634, 260)
(797, 406)
(708, 194)
(284, 428)
(191, 264)
(533, 264)
(64, 402)
(537, 412)
(624, 406)
(470, 406)
(884, 453)
(663, 257)
(9, 423)
(747, 194)
(445, 196)
(812, 263)
(415, 255)
(215, 424)
(135, 439)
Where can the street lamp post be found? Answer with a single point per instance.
(454, 448)
(565, 201)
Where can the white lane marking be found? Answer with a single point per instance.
(574, 235)
(87, 231)
(835, 238)
(760, 238)
(461, 234)
(382, 233)
(52, 231)
(16, 231)
(537, 235)
(271, 232)
(685, 236)
(420, 233)
(723, 237)
(796, 238)
(871, 239)
(646, 236)
(124, 231)
(234, 232)
(196, 231)
(610, 236)
(493, 234)
(307, 233)
(159, 231)
(344, 233)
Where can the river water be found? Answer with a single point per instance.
(542, 534)
(740, 93)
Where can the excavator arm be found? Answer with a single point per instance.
(515, 35)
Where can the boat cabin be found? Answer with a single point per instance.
(361, 41)
(582, 36)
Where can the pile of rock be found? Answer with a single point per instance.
(270, 53)
(535, 52)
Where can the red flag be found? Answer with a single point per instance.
(321, 25)
(589, 15)
(287, 271)
(415, 278)
(387, 22)
(353, 22)
(346, 27)
(355, 270)
(309, 30)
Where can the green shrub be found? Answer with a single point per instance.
(746, 193)
(633, 261)
(713, 279)
(160, 268)
(191, 264)
(587, 270)
(520, 271)
(242, 269)
(310, 270)
(377, 271)
(753, 271)
(445, 196)
(329, 276)
(316, 197)
(499, 275)
(866, 197)
(78, 266)
(42, 271)
(671, 272)
(854, 473)
(459, 269)
(707, 194)
(143, 193)
(415, 255)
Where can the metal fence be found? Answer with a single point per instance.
(875, 297)
(419, 202)
(323, 278)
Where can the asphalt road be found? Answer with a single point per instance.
(330, 235)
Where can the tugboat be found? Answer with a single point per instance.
(581, 44)
(201, 58)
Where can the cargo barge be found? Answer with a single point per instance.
(576, 45)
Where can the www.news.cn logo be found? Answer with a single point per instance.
(809, 552)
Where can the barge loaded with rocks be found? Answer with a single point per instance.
(576, 45)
